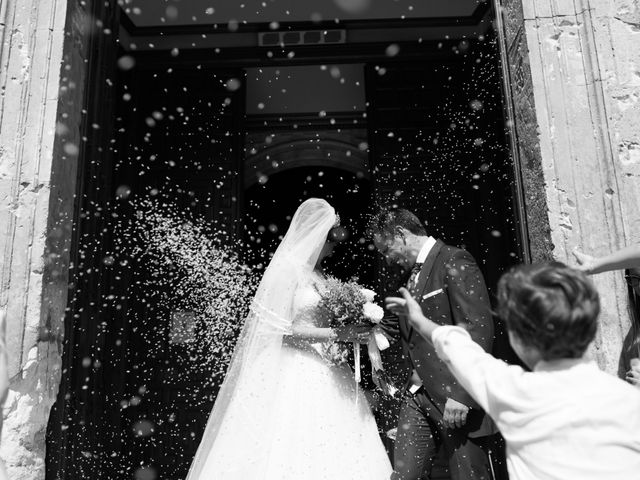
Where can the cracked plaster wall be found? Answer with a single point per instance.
(585, 67)
(40, 116)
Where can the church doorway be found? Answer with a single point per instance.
(236, 124)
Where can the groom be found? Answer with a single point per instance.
(436, 411)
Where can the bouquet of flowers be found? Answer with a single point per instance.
(348, 303)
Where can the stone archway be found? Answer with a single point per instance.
(345, 150)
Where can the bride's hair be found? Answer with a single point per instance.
(337, 234)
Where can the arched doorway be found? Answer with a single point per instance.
(284, 169)
(183, 122)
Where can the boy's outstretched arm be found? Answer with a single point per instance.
(474, 368)
(628, 257)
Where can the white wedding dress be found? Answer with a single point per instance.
(283, 412)
(322, 431)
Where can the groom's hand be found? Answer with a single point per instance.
(455, 414)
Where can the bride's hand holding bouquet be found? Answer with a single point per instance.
(354, 318)
(352, 333)
(351, 310)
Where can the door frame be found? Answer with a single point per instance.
(522, 132)
(83, 337)
(70, 440)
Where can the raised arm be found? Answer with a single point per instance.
(628, 257)
(472, 367)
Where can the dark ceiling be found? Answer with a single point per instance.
(152, 13)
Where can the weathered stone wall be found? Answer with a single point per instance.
(616, 29)
(39, 135)
(585, 66)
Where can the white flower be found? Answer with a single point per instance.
(373, 312)
(369, 295)
(381, 340)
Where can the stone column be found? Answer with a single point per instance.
(34, 213)
(585, 67)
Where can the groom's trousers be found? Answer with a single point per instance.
(421, 434)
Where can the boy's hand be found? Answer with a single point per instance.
(455, 414)
(633, 375)
(408, 307)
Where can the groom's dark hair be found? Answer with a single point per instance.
(387, 220)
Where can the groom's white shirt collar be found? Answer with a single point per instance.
(424, 251)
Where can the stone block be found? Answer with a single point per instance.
(528, 10)
(541, 8)
(562, 8)
(26, 414)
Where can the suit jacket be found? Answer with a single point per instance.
(451, 291)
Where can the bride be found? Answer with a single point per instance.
(283, 412)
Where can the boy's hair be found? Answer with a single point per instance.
(387, 220)
(550, 307)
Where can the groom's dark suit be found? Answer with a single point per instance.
(451, 291)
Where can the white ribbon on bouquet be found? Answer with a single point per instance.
(377, 342)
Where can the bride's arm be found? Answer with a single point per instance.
(306, 332)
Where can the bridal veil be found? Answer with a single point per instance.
(233, 441)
